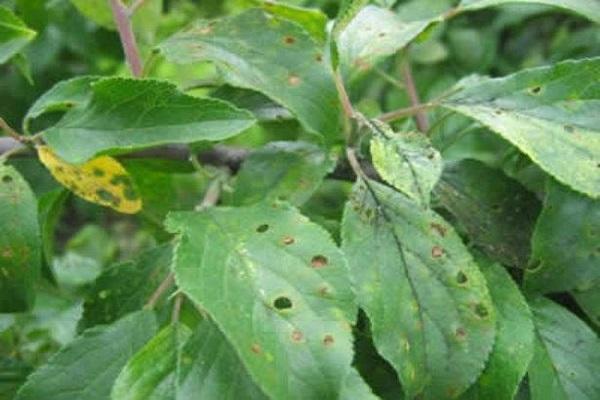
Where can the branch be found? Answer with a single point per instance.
(121, 15)
(404, 112)
(160, 290)
(10, 131)
(411, 89)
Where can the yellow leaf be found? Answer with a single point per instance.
(102, 180)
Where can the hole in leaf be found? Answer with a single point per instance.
(319, 261)
(536, 89)
(262, 228)
(437, 252)
(287, 240)
(282, 303)
(328, 340)
(7, 179)
(461, 278)
(481, 311)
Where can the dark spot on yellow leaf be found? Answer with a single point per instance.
(98, 172)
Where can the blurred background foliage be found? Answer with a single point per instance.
(81, 240)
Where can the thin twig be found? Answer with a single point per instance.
(122, 19)
(160, 290)
(405, 112)
(177, 308)
(355, 164)
(389, 78)
(343, 94)
(211, 197)
(413, 94)
(10, 131)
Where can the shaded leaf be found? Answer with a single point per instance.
(50, 207)
(14, 34)
(84, 369)
(102, 180)
(125, 287)
(289, 171)
(497, 212)
(589, 301)
(312, 20)
(549, 113)
(513, 348)
(274, 56)
(128, 114)
(138, 382)
(209, 368)
(20, 255)
(431, 314)
(278, 288)
(566, 363)
(406, 160)
(586, 8)
(566, 242)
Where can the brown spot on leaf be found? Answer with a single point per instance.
(319, 57)
(294, 80)
(439, 229)
(328, 340)
(289, 40)
(287, 240)
(297, 336)
(437, 252)
(319, 261)
(460, 333)
(256, 349)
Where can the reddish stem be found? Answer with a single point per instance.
(122, 19)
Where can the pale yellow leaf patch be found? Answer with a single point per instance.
(102, 180)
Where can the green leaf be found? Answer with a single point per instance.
(87, 367)
(549, 113)
(166, 185)
(61, 97)
(209, 368)
(565, 252)
(313, 20)
(50, 208)
(14, 34)
(375, 33)
(278, 288)
(20, 244)
(274, 56)
(587, 8)
(406, 160)
(263, 108)
(97, 10)
(348, 10)
(513, 349)
(589, 301)
(566, 362)
(128, 114)
(139, 382)
(125, 287)
(496, 212)
(289, 171)
(431, 314)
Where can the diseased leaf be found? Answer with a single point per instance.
(431, 314)
(277, 287)
(375, 33)
(566, 363)
(313, 20)
(102, 180)
(84, 369)
(513, 348)
(549, 113)
(209, 368)
(269, 54)
(61, 97)
(128, 114)
(139, 382)
(125, 287)
(496, 212)
(289, 171)
(406, 160)
(348, 10)
(566, 242)
(20, 256)
(14, 34)
(586, 8)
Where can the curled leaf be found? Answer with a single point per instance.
(102, 180)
